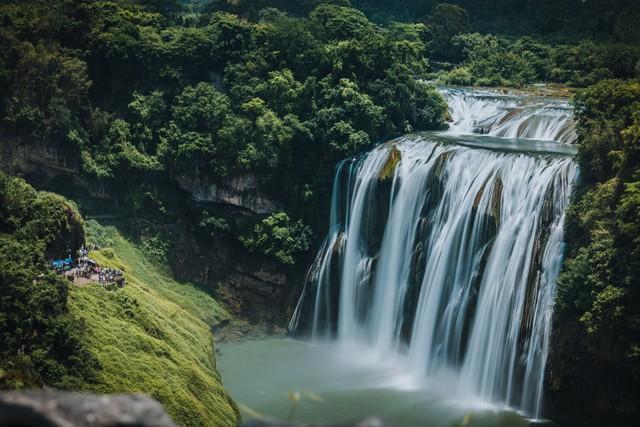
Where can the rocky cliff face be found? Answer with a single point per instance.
(254, 288)
(17, 155)
(584, 386)
(239, 191)
(44, 163)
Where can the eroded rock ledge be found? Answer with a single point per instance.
(240, 191)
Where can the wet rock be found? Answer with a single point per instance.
(253, 287)
(584, 385)
(253, 291)
(439, 168)
(496, 201)
(50, 408)
(389, 168)
(18, 155)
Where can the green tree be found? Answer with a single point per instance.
(603, 112)
(41, 343)
(148, 115)
(447, 21)
(493, 61)
(47, 94)
(597, 289)
(348, 118)
(331, 22)
(280, 237)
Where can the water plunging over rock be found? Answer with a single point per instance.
(457, 274)
(506, 116)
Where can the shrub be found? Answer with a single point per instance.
(459, 76)
(597, 288)
(280, 237)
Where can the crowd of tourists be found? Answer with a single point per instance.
(85, 268)
(110, 276)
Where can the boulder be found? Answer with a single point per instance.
(51, 408)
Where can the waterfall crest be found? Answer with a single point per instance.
(451, 261)
(507, 116)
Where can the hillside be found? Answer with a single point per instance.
(154, 335)
(204, 138)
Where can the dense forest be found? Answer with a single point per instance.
(602, 20)
(598, 288)
(149, 97)
(42, 344)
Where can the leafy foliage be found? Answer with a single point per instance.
(44, 221)
(141, 94)
(446, 22)
(493, 60)
(598, 285)
(147, 95)
(42, 342)
(280, 237)
(568, 19)
(45, 91)
(212, 225)
(608, 115)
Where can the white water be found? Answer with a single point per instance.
(458, 278)
(508, 116)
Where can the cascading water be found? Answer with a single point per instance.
(451, 260)
(508, 116)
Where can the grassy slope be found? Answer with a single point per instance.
(153, 335)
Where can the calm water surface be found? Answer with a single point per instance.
(351, 382)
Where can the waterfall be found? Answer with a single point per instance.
(507, 116)
(450, 261)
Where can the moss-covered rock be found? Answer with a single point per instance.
(389, 168)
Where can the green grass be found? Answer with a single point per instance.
(153, 335)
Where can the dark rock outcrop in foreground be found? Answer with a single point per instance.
(49, 408)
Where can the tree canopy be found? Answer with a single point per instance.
(41, 342)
